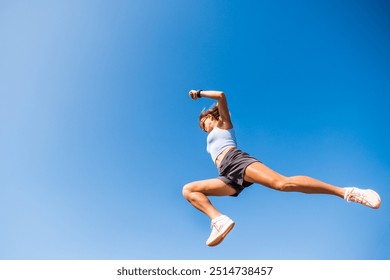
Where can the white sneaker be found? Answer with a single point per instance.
(220, 226)
(366, 197)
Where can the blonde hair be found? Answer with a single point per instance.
(212, 111)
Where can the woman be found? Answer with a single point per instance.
(239, 170)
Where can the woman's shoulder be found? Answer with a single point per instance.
(224, 125)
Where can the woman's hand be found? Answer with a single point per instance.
(193, 94)
(224, 115)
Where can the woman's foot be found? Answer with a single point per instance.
(368, 197)
(220, 226)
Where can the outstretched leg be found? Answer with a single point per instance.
(261, 174)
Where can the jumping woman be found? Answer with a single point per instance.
(239, 170)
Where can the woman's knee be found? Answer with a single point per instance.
(188, 189)
(284, 184)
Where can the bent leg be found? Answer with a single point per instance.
(261, 174)
(196, 193)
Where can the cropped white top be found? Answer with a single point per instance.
(218, 140)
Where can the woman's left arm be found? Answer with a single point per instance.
(224, 116)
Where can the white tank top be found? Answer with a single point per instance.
(218, 140)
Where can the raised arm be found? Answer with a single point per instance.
(224, 116)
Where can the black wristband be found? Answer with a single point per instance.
(198, 93)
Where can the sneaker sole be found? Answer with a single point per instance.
(374, 193)
(220, 238)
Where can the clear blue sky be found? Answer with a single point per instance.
(98, 134)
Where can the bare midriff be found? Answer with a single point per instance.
(220, 157)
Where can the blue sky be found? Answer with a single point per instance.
(98, 134)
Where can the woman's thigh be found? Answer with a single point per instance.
(211, 187)
(259, 173)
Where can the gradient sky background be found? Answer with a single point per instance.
(98, 134)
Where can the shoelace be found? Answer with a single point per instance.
(214, 225)
(356, 196)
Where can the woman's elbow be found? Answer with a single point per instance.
(221, 95)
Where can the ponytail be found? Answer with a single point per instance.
(212, 111)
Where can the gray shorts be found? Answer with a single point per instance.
(232, 169)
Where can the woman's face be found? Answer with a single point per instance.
(207, 123)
